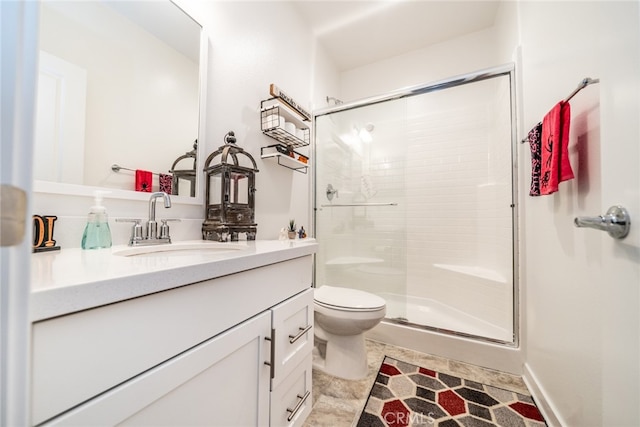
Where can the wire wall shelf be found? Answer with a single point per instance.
(281, 124)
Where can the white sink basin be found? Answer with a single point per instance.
(190, 248)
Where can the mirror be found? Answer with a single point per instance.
(119, 84)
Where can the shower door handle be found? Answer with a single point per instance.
(615, 222)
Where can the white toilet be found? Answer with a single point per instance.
(342, 315)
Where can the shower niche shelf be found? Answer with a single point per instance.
(280, 122)
(473, 271)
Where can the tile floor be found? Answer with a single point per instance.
(338, 403)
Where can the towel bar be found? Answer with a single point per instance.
(117, 168)
(584, 83)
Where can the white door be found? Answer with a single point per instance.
(59, 139)
(620, 162)
(19, 35)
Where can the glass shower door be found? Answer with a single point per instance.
(414, 203)
(360, 219)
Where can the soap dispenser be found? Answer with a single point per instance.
(97, 233)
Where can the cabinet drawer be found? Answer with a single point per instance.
(291, 401)
(292, 323)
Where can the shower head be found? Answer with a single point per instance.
(336, 101)
(365, 132)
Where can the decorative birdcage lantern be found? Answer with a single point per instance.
(183, 178)
(230, 193)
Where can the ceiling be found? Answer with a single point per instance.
(356, 33)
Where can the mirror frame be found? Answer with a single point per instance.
(51, 187)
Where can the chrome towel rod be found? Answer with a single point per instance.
(584, 83)
(344, 205)
(116, 168)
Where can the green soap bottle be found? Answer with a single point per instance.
(97, 233)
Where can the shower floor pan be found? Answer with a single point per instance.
(432, 313)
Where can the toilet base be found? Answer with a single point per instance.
(341, 356)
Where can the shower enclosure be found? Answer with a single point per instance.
(415, 202)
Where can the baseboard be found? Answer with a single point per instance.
(541, 397)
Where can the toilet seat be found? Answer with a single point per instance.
(346, 299)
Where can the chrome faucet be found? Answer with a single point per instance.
(151, 236)
(152, 225)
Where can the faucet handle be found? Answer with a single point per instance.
(136, 230)
(164, 228)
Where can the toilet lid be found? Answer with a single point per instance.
(348, 299)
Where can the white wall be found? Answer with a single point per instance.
(581, 300)
(252, 44)
(461, 55)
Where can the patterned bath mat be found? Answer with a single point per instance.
(408, 395)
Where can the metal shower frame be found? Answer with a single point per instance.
(477, 76)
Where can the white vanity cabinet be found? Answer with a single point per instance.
(212, 353)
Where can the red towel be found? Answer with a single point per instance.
(566, 173)
(555, 166)
(144, 180)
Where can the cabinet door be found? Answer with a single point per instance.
(221, 382)
(291, 401)
(293, 330)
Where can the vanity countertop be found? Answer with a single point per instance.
(71, 280)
